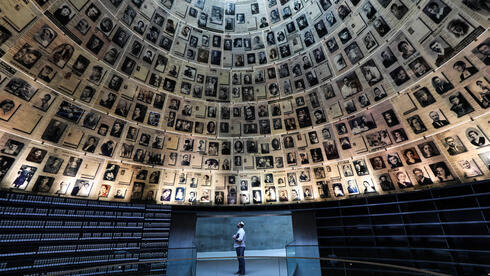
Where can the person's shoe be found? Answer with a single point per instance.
(237, 273)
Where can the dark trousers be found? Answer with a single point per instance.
(240, 251)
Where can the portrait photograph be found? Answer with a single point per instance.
(20, 88)
(394, 160)
(385, 182)
(362, 124)
(70, 112)
(441, 84)
(53, 164)
(419, 67)
(437, 10)
(399, 76)
(424, 97)
(24, 177)
(82, 188)
(27, 56)
(438, 118)
(469, 168)
(43, 184)
(476, 137)
(463, 69)
(360, 167)
(377, 162)
(61, 54)
(399, 135)
(45, 36)
(441, 171)
(8, 107)
(458, 104)
(371, 72)
(36, 155)
(47, 73)
(54, 131)
(390, 118)
(482, 51)
(440, 51)
(479, 90)
(12, 147)
(338, 190)
(403, 181)
(453, 145)
(428, 149)
(72, 166)
(458, 28)
(416, 124)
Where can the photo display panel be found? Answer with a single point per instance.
(242, 102)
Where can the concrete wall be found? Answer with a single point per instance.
(182, 229)
(263, 232)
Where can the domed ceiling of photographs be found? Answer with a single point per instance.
(242, 102)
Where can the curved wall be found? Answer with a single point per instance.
(253, 102)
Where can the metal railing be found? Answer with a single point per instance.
(338, 265)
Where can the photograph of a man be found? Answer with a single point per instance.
(239, 245)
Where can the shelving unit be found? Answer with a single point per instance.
(40, 234)
(445, 229)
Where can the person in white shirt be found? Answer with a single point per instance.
(239, 245)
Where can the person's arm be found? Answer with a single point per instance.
(238, 237)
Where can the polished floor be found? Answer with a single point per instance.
(254, 266)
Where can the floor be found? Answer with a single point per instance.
(253, 267)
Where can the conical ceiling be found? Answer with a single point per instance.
(242, 102)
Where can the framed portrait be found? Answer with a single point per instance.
(453, 145)
(441, 171)
(73, 166)
(428, 149)
(394, 160)
(416, 124)
(476, 137)
(438, 118)
(20, 88)
(24, 177)
(424, 97)
(12, 147)
(70, 112)
(43, 184)
(8, 107)
(53, 164)
(458, 104)
(27, 56)
(437, 10)
(45, 36)
(469, 168)
(82, 188)
(378, 139)
(479, 90)
(36, 155)
(54, 131)
(385, 182)
(377, 163)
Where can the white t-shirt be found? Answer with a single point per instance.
(240, 238)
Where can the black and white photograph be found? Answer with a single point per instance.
(20, 88)
(459, 105)
(24, 177)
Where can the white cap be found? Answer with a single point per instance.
(242, 223)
